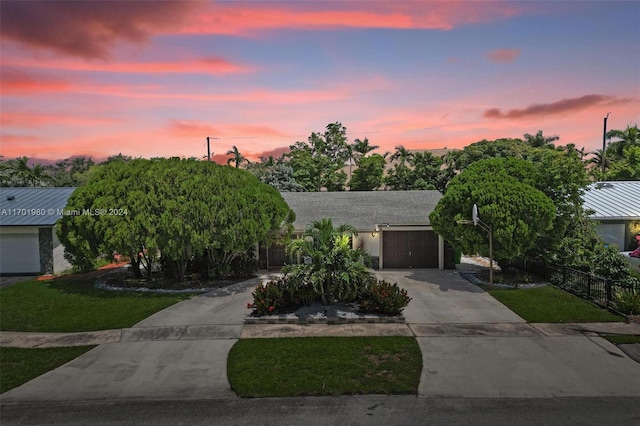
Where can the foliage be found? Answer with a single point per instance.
(627, 167)
(325, 366)
(368, 175)
(610, 264)
(382, 297)
(276, 174)
(317, 163)
(179, 208)
(627, 301)
(517, 212)
(330, 267)
(237, 158)
(271, 298)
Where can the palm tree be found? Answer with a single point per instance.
(331, 267)
(20, 170)
(237, 157)
(628, 136)
(38, 175)
(402, 154)
(360, 148)
(540, 141)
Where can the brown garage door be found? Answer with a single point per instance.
(409, 249)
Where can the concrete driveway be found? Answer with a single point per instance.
(473, 346)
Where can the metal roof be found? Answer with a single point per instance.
(363, 209)
(614, 200)
(32, 206)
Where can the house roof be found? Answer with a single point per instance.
(32, 206)
(614, 200)
(363, 209)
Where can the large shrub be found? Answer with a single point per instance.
(182, 209)
(382, 297)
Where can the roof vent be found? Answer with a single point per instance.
(11, 197)
(604, 185)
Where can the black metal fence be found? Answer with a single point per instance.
(583, 284)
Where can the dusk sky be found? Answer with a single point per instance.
(149, 79)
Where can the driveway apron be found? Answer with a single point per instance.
(473, 346)
(178, 353)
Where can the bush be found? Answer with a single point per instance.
(627, 301)
(271, 298)
(609, 263)
(382, 297)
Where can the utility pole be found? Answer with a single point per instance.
(604, 144)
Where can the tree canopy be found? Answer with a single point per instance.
(501, 187)
(179, 209)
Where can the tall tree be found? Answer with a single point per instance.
(318, 163)
(369, 174)
(539, 140)
(517, 212)
(627, 137)
(237, 158)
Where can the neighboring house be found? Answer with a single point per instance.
(393, 226)
(28, 242)
(617, 210)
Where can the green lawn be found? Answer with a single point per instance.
(70, 304)
(324, 366)
(550, 304)
(21, 365)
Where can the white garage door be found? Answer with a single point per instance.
(19, 254)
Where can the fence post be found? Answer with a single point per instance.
(589, 286)
(607, 288)
(564, 275)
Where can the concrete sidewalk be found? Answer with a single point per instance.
(472, 346)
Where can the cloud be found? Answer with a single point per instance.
(560, 107)
(17, 82)
(89, 29)
(503, 55)
(250, 18)
(275, 153)
(34, 120)
(209, 65)
(198, 129)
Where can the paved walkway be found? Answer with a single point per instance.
(472, 346)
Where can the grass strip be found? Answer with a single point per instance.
(324, 366)
(67, 305)
(21, 365)
(621, 339)
(550, 304)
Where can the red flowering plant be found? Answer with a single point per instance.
(382, 297)
(271, 298)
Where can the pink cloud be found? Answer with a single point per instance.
(226, 18)
(559, 107)
(209, 65)
(196, 129)
(34, 120)
(503, 55)
(19, 83)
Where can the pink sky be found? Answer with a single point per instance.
(156, 78)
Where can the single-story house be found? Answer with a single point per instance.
(393, 226)
(616, 208)
(28, 242)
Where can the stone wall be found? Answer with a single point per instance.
(45, 240)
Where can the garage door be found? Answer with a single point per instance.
(19, 254)
(409, 249)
